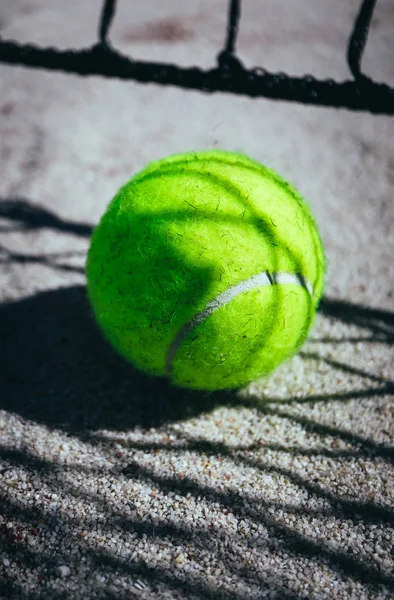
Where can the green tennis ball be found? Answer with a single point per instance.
(206, 268)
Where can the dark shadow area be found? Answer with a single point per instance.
(24, 216)
(378, 323)
(50, 260)
(28, 216)
(57, 369)
(365, 446)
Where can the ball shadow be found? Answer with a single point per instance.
(58, 370)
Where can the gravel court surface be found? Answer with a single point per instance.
(114, 485)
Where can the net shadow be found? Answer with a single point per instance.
(228, 75)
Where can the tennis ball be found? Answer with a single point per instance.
(206, 268)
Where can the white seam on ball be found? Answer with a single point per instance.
(256, 281)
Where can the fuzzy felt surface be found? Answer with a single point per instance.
(178, 235)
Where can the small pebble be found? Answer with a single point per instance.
(64, 571)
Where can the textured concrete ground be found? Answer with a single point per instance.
(114, 485)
